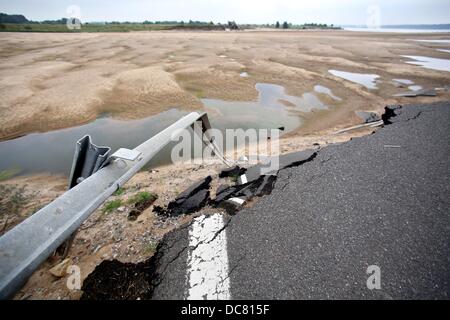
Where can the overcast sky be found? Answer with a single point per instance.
(340, 12)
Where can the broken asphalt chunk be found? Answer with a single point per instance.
(232, 172)
(189, 201)
(232, 205)
(390, 112)
(202, 184)
(368, 117)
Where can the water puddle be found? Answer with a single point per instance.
(273, 109)
(415, 88)
(433, 41)
(243, 74)
(364, 79)
(327, 91)
(53, 151)
(430, 63)
(406, 82)
(403, 81)
(444, 50)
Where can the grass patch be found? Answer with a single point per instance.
(119, 192)
(142, 197)
(9, 173)
(97, 27)
(112, 205)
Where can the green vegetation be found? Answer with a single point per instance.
(119, 192)
(9, 173)
(287, 25)
(112, 205)
(142, 197)
(18, 23)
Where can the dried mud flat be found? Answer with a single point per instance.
(51, 81)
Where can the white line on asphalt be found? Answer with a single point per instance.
(207, 272)
(239, 201)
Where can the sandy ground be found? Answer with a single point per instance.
(51, 81)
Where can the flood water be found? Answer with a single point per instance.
(53, 151)
(364, 79)
(430, 63)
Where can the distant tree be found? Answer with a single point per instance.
(277, 25)
(12, 18)
(285, 25)
(232, 25)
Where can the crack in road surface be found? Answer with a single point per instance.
(193, 261)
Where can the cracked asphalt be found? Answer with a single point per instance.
(378, 200)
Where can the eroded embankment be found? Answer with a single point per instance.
(116, 280)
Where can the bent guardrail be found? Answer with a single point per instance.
(26, 246)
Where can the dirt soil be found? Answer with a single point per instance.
(51, 81)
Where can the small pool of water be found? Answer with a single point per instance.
(269, 111)
(327, 91)
(364, 79)
(433, 41)
(403, 81)
(415, 88)
(430, 63)
(444, 50)
(243, 74)
(53, 151)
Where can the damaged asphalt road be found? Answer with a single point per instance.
(381, 200)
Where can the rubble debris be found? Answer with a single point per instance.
(390, 112)
(284, 161)
(232, 205)
(368, 117)
(232, 172)
(189, 201)
(60, 269)
(418, 93)
(233, 197)
(221, 188)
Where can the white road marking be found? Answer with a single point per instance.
(207, 273)
(239, 201)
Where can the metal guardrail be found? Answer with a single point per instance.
(26, 246)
